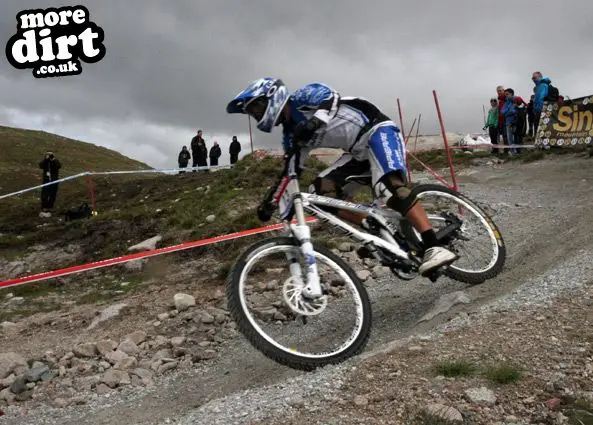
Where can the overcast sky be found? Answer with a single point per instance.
(172, 66)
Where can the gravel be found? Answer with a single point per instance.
(546, 232)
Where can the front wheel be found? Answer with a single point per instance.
(469, 232)
(266, 303)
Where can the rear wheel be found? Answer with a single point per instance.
(468, 231)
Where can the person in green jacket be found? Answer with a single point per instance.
(492, 124)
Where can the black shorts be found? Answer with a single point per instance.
(343, 168)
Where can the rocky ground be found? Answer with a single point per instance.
(518, 367)
(168, 353)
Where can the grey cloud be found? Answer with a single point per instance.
(178, 63)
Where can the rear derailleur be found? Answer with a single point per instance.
(404, 269)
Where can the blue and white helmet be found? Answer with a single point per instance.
(263, 99)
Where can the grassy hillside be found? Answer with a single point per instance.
(23, 149)
(132, 208)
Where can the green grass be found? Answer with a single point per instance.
(438, 159)
(503, 373)
(22, 150)
(32, 308)
(327, 242)
(499, 373)
(454, 368)
(578, 411)
(128, 209)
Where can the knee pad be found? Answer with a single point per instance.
(325, 187)
(396, 194)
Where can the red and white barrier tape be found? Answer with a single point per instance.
(125, 258)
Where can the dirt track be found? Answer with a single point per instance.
(544, 212)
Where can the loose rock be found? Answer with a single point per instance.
(114, 378)
(363, 275)
(137, 337)
(34, 374)
(19, 385)
(9, 362)
(183, 301)
(447, 413)
(481, 395)
(129, 347)
(106, 346)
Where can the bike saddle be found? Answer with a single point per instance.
(365, 179)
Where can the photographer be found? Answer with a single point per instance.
(50, 166)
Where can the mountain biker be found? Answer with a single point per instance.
(317, 116)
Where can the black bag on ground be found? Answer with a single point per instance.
(75, 213)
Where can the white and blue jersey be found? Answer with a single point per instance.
(352, 124)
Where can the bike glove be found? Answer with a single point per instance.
(265, 210)
(303, 131)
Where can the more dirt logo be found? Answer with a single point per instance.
(52, 41)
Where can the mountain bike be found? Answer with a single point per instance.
(301, 278)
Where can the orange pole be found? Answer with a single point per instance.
(449, 157)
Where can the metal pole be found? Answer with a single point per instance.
(417, 131)
(411, 131)
(401, 119)
(484, 111)
(449, 157)
(407, 155)
(250, 136)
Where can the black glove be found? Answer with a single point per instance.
(265, 210)
(303, 131)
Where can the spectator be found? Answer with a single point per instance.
(501, 100)
(531, 115)
(183, 158)
(509, 111)
(215, 153)
(520, 120)
(492, 124)
(234, 150)
(541, 92)
(199, 151)
(50, 166)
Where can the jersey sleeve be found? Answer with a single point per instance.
(319, 98)
(287, 137)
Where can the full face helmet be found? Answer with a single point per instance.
(264, 99)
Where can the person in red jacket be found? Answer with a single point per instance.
(501, 100)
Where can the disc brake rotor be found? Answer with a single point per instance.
(292, 290)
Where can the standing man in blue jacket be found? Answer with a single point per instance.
(541, 92)
(509, 110)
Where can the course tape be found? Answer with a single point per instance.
(103, 173)
(137, 256)
(489, 145)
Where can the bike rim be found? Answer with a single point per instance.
(254, 258)
(493, 234)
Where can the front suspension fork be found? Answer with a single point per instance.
(302, 232)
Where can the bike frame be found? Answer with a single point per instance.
(289, 197)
